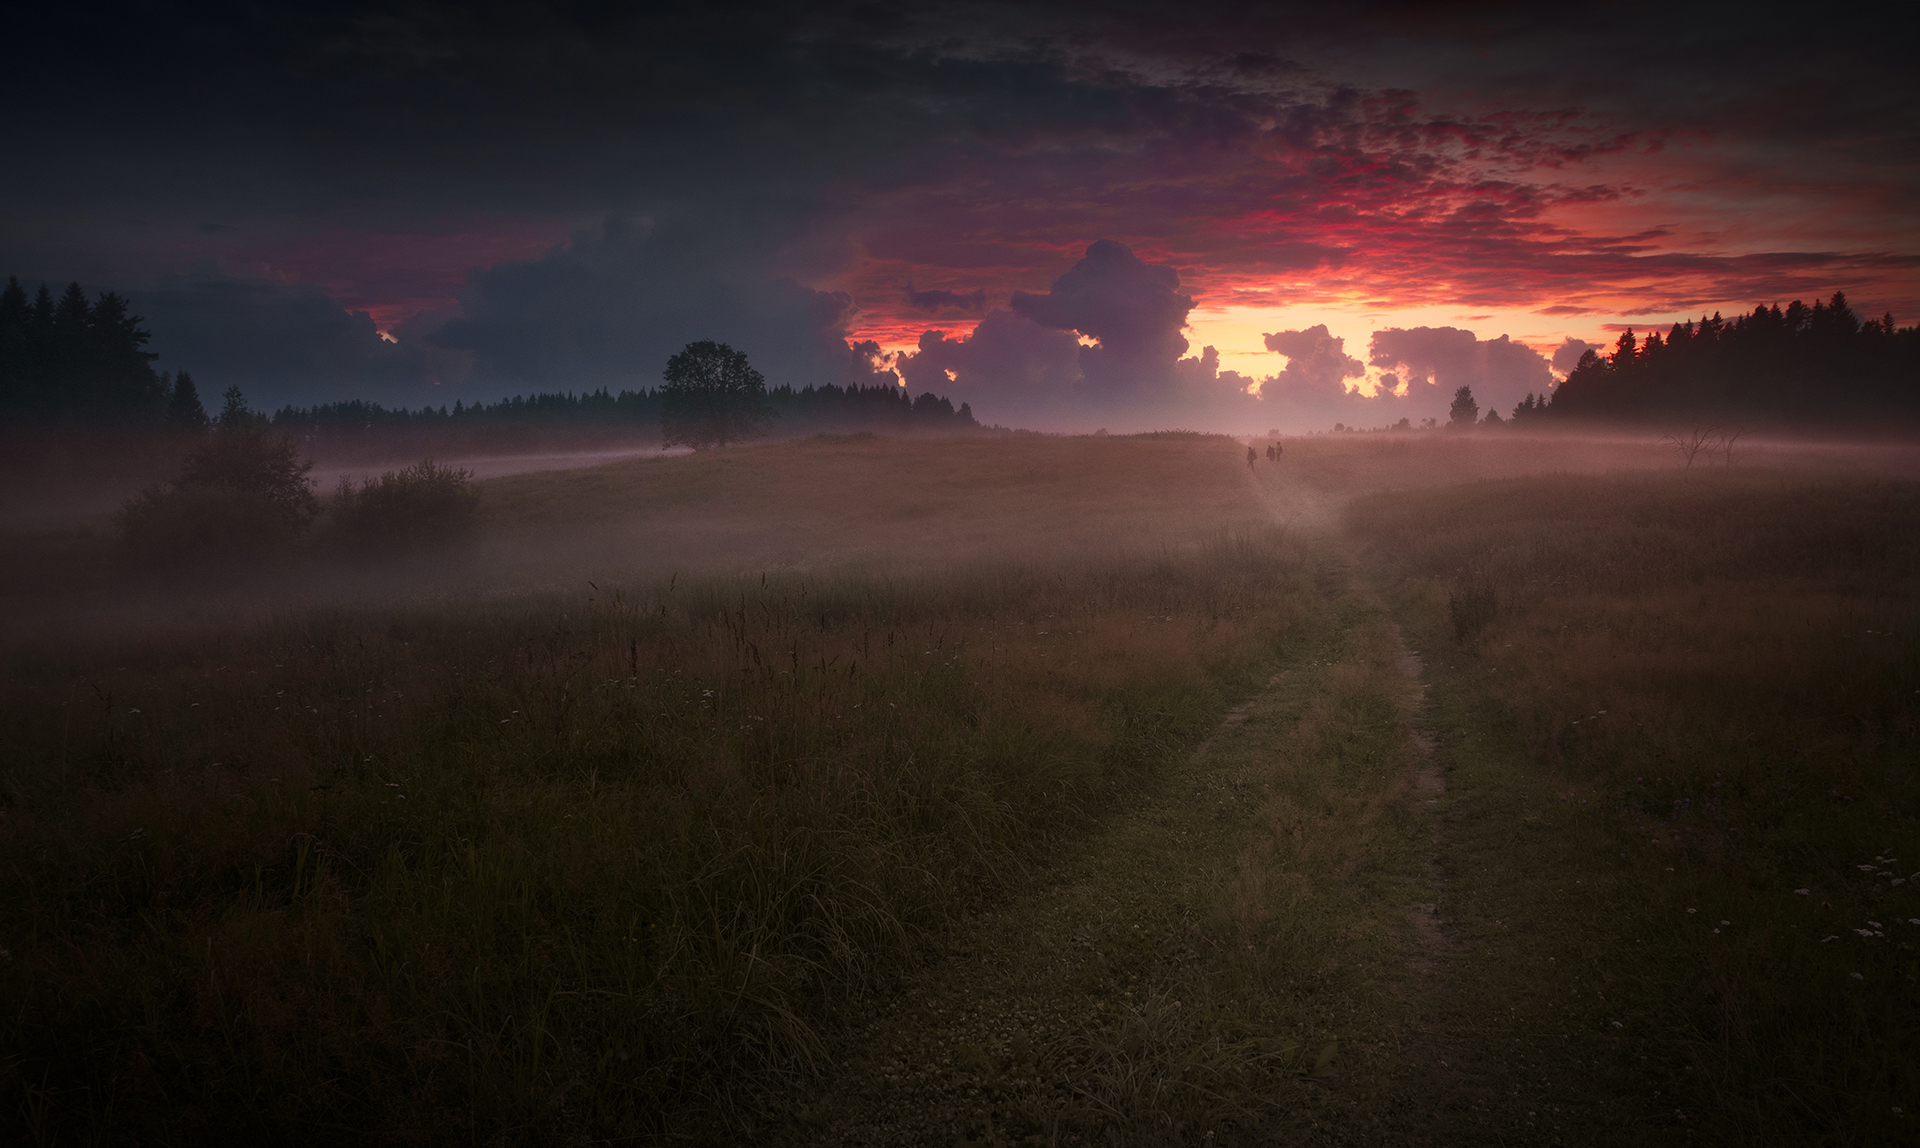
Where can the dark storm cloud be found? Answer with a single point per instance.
(1134, 309)
(1435, 361)
(279, 343)
(609, 309)
(1010, 368)
(1367, 144)
(965, 302)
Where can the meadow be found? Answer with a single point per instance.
(1065, 790)
(1687, 704)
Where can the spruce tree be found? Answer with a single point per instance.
(184, 411)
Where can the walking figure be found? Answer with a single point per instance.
(1250, 457)
(1272, 449)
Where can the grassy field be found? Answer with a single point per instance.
(1089, 790)
(1682, 712)
(582, 861)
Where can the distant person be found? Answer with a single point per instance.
(1270, 452)
(1250, 457)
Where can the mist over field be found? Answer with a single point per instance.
(864, 788)
(993, 573)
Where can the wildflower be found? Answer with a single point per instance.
(1802, 892)
(1858, 977)
(1693, 910)
(1726, 922)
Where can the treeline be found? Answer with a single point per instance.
(628, 414)
(78, 360)
(83, 363)
(1801, 366)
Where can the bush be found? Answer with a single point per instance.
(425, 505)
(174, 525)
(241, 495)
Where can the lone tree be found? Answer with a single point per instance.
(1464, 412)
(712, 397)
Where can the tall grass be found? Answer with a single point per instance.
(587, 865)
(1718, 674)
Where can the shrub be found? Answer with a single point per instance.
(425, 505)
(243, 494)
(173, 525)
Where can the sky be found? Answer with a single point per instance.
(1137, 216)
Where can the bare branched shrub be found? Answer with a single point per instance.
(1690, 443)
(1725, 442)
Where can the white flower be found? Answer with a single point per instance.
(1858, 977)
(1693, 910)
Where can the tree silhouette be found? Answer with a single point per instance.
(1782, 366)
(184, 411)
(75, 359)
(712, 397)
(242, 493)
(1464, 412)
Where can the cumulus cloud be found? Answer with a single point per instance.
(609, 309)
(1132, 308)
(1311, 391)
(1317, 361)
(1567, 355)
(280, 343)
(1009, 368)
(1025, 364)
(933, 302)
(1436, 361)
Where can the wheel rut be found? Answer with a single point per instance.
(1063, 1011)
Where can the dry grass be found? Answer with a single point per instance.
(1715, 676)
(581, 863)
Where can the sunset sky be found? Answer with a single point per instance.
(415, 203)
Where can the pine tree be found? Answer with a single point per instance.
(184, 411)
(15, 314)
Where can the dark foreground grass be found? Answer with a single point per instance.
(580, 867)
(1681, 715)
